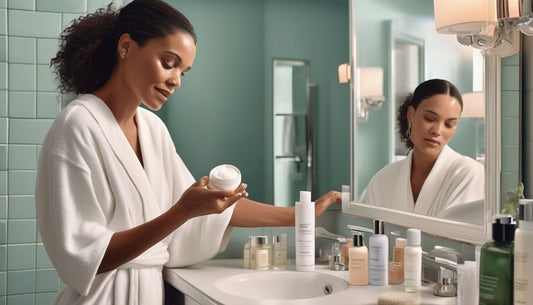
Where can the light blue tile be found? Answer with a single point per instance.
(48, 105)
(3, 130)
(20, 257)
(2, 283)
(3, 76)
(21, 50)
(3, 207)
(3, 48)
(21, 207)
(71, 6)
(20, 232)
(43, 261)
(508, 180)
(3, 157)
(34, 24)
(3, 255)
(21, 77)
(3, 3)
(510, 78)
(510, 158)
(22, 104)
(22, 157)
(513, 60)
(21, 299)
(28, 131)
(68, 18)
(46, 50)
(21, 182)
(93, 5)
(19, 282)
(46, 79)
(21, 4)
(3, 300)
(3, 232)
(510, 105)
(46, 281)
(510, 131)
(3, 183)
(3, 23)
(3, 103)
(45, 298)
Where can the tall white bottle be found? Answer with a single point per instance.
(523, 255)
(413, 261)
(304, 228)
(378, 256)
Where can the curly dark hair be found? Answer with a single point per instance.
(422, 92)
(88, 50)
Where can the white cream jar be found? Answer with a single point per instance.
(224, 177)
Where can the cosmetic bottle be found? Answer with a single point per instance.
(523, 255)
(253, 247)
(246, 254)
(412, 261)
(396, 266)
(358, 261)
(279, 251)
(262, 254)
(305, 232)
(496, 264)
(224, 177)
(378, 256)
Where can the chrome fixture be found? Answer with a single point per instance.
(439, 267)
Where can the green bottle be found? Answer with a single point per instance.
(496, 265)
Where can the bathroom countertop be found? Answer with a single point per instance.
(198, 283)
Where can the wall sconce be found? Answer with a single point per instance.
(492, 25)
(369, 87)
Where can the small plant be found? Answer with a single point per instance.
(512, 196)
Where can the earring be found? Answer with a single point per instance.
(408, 132)
(122, 55)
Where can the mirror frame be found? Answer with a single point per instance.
(449, 229)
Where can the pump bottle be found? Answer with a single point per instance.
(523, 255)
(305, 232)
(358, 261)
(378, 256)
(496, 264)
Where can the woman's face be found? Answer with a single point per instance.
(433, 123)
(153, 71)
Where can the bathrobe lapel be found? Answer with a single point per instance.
(404, 184)
(126, 155)
(434, 183)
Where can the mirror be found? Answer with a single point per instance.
(401, 38)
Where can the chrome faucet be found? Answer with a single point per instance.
(439, 266)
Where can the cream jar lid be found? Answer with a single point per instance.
(224, 177)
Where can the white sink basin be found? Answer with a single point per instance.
(281, 285)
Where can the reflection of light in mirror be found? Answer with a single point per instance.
(473, 105)
(476, 17)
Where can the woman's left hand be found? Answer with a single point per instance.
(321, 204)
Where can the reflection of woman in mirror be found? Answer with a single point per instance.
(433, 177)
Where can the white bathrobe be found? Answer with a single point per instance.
(91, 184)
(454, 179)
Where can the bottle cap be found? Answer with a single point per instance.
(379, 227)
(305, 196)
(401, 242)
(262, 240)
(525, 209)
(283, 237)
(357, 239)
(413, 237)
(252, 240)
(503, 228)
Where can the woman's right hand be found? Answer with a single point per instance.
(198, 200)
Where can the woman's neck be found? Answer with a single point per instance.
(421, 166)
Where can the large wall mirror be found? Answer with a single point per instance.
(400, 37)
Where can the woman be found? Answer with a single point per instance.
(115, 203)
(433, 177)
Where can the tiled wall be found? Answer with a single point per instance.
(511, 137)
(29, 101)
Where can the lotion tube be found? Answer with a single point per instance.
(304, 228)
(523, 255)
(378, 256)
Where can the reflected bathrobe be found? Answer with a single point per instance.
(454, 179)
(91, 184)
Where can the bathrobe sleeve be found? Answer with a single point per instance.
(71, 220)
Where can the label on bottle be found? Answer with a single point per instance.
(262, 259)
(412, 268)
(523, 273)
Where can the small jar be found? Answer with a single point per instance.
(224, 177)
(253, 247)
(246, 254)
